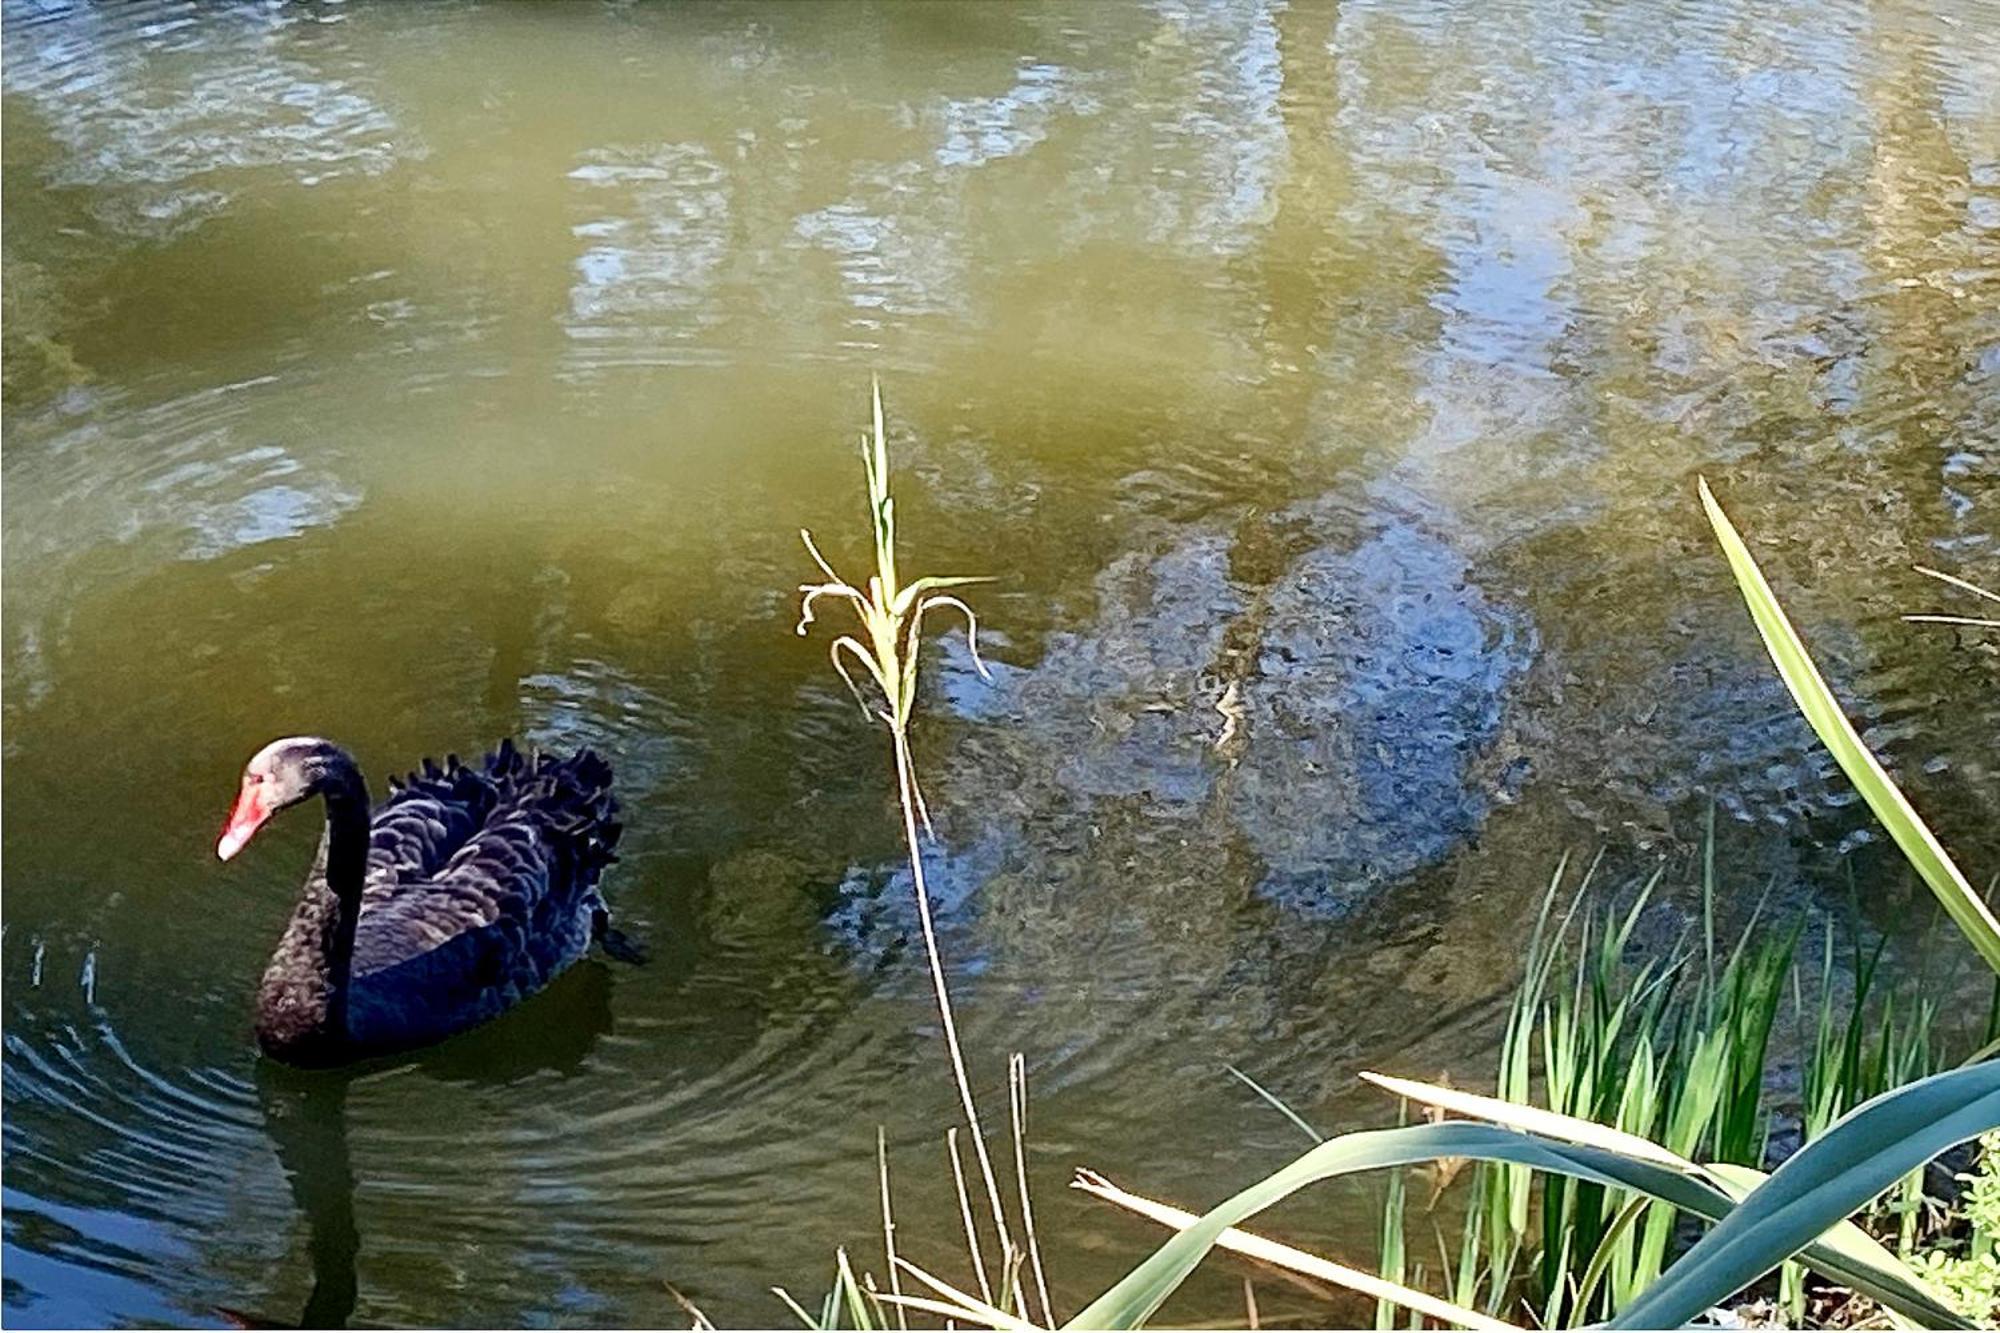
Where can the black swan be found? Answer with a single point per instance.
(463, 893)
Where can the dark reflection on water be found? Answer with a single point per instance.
(308, 1123)
(1325, 383)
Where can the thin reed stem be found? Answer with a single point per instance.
(906, 783)
(1017, 1105)
(965, 1215)
(890, 616)
(888, 1222)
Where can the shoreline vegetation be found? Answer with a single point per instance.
(1632, 1099)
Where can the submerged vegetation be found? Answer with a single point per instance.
(35, 362)
(1632, 1093)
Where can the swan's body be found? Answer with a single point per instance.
(463, 893)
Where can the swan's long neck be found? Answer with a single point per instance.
(302, 1004)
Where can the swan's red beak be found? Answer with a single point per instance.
(249, 814)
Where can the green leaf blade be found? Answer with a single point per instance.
(1822, 710)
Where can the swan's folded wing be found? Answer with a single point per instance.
(504, 883)
(430, 814)
(516, 901)
(418, 917)
(440, 955)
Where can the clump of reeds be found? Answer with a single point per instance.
(1671, 1049)
(1674, 1049)
(1661, 1059)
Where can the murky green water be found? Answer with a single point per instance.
(421, 374)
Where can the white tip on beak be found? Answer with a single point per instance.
(232, 842)
(245, 818)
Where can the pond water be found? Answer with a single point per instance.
(1324, 385)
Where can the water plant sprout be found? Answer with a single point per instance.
(891, 615)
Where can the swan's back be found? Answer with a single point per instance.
(481, 888)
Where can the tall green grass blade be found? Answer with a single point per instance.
(1559, 1290)
(856, 1300)
(1858, 1158)
(1753, 985)
(1135, 1297)
(1507, 1202)
(1465, 1283)
(1529, 1119)
(1991, 1050)
(1823, 711)
(1847, 1239)
(1593, 1273)
(1392, 1262)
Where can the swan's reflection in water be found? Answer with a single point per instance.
(305, 1113)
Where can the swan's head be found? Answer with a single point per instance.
(281, 774)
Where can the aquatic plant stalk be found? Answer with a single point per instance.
(960, 1306)
(965, 1214)
(1981, 622)
(891, 616)
(1017, 1106)
(1394, 1250)
(861, 1306)
(888, 1221)
(699, 1322)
